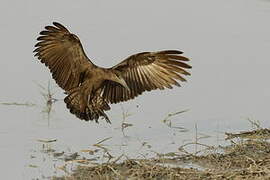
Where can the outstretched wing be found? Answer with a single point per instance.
(63, 53)
(145, 72)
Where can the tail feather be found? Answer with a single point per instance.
(92, 110)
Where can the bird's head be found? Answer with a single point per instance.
(117, 77)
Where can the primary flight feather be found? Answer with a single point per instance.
(90, 88)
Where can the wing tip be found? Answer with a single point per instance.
(60, 26)
(56, 23)
(40, 38)
(44, 32)
(171, 52)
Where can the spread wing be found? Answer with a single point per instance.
(145, 72)
(63, 53)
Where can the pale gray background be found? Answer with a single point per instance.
(227, 40)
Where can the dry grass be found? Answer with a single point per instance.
(243, 159)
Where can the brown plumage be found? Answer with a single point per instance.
(90, 88)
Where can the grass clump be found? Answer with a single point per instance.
(245, 158)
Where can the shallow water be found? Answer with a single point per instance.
(228, 43)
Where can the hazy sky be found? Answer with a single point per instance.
(227, 41)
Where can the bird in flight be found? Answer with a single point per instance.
(90, 88)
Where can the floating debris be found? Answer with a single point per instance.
(58, 154)
(89, 151)
(255, 134)
(71, 157)
(17, 104)
(167, 120)
(32, 166)
(47, 141)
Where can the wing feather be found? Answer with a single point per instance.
(170, 75)
(132, 85)
(147, 71)
(160, 77)
(63, 53)
(153, 78)
(147, 84)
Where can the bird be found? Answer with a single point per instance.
(89, 88)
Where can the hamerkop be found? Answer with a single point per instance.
(90, 88)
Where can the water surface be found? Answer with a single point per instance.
(228, 43)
